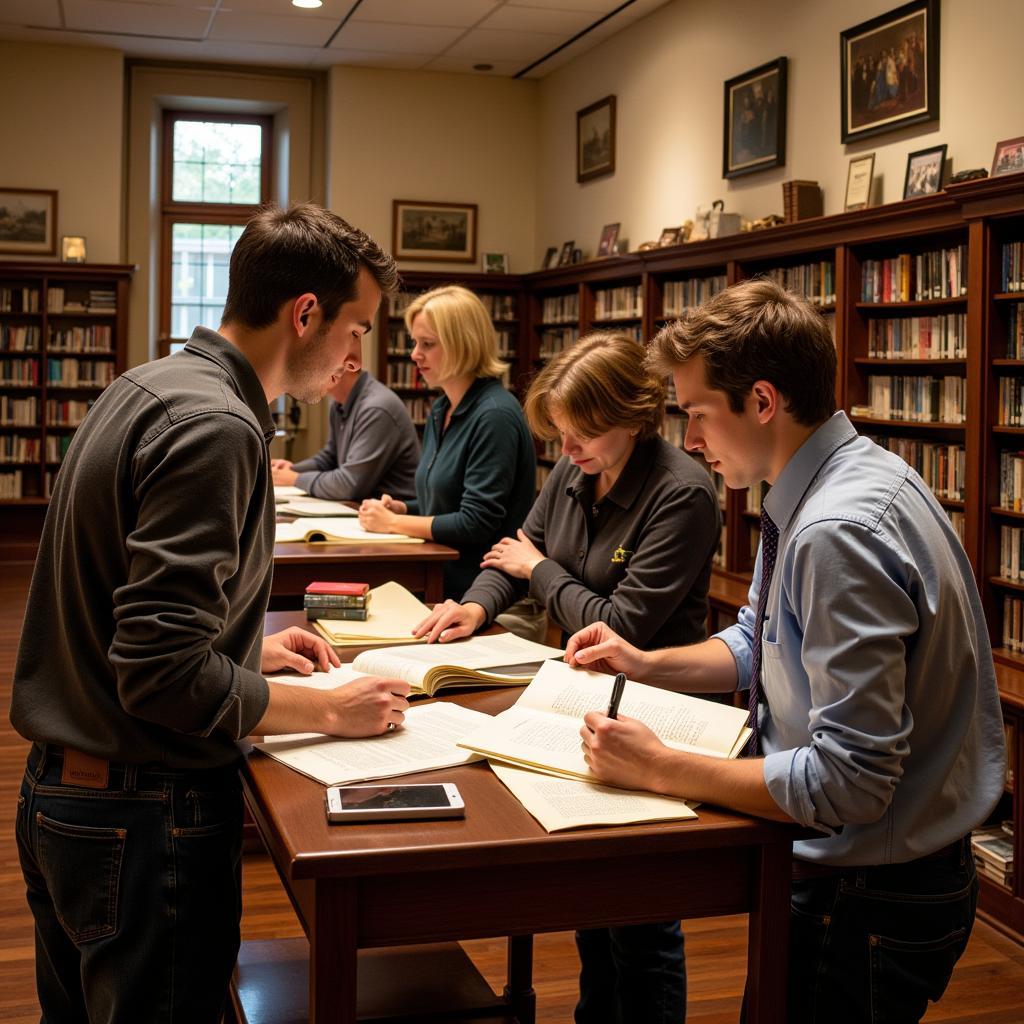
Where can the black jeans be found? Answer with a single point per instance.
(632, 974)
(135, 890)
(874, 945)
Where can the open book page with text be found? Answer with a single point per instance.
(302, 506)
(392, 613)
(426, 741)
(542, 727)
(334, 530)
(504, 659)
(560, 804)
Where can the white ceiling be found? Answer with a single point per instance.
(434, 35)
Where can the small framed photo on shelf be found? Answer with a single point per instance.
(890, 71)
(668, 236)
(1009, 157)
(595, 140)
(72, 248)
(28, 221)
(609, 236)
(550, 258)
(436, 232)
(924, 172)
(754, 136)
(858, 182)
(566, 255)
(494, 262)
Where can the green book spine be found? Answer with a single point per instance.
(358, 614)
(333, 601)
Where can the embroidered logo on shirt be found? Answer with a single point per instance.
(620, 556)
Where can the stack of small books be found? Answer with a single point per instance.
(993, 854)
(332, 600)
(801, 199)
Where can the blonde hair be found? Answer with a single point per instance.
(598, 384)
(469, 345)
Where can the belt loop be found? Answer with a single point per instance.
(41, 762)
(130, 778)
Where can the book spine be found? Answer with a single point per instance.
(334, 601)
(358, 614)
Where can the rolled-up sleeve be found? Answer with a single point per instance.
(172, 608)
(739, 637)
(848, 588)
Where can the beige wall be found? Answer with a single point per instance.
(61, 108)
(668, 70)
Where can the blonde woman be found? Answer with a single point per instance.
(477, 476)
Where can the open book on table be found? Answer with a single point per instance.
(541, 730)
(310, 507)
(391, 615)
(335, 530)
(502, 660)
(285, 492)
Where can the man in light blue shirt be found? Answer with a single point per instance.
(865, 654)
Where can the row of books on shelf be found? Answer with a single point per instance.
(91, 300)
(943, 467)
(404, 375)
(19, 338)
(418, 408)
(815, 281)
(993, 853)
(553, 341)
(1011, 553)
(551, 450)
(1012, 277)
(1013, 640)
(66, 412)
(620, 303)
(755, 496)
(94, 338)
(19, 300)
(400, 344)
(919, 337)
(14, 448)
(924, 399)
(74, 373)
(1015, 332)
(679, 296)
(11, 484)
(561, 309)
(22, 373)
(1011, 481)
(19, 412)
(499, 305)
(916, 278)
(1011, 402)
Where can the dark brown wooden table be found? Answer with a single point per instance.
(497, 872)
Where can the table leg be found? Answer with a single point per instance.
(768, 936)
(333, 954)
(519, 992)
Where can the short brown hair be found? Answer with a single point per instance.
(598, 384)
(755, 331)
(283, 253)
(469, 345)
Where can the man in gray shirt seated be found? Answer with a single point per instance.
(372, 448)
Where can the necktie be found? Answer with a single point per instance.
(769, 549)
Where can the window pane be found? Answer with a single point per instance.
(216, 163)
(200, 254)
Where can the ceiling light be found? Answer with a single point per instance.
(310, 4)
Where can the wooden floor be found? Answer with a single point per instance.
(987, 988)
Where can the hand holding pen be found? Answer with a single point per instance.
(617, 687)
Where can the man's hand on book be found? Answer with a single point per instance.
(368, 706)
(296, 649)
(622, 751)
(450, 621)
(599, 648)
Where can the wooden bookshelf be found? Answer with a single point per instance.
(63, 333)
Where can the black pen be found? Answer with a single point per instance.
(617, 687)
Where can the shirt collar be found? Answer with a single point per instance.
(630, 482)
(215, 347)
(344, 408)
(788, 490)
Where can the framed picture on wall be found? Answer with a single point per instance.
(754, 135)
(924, 172)
(441, 232)
(1008, 157)
(595, 140)
(28, 221)
(890, 71)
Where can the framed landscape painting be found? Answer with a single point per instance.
(28, 221)
(595, 140)
(441, 232)
(755, 120)
(890, 71)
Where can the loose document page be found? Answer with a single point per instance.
(502, 660)
(428, 740)
(541, 730)
(301, 506)
(392, 613)
(334, 530)
(560, 804)
(285, 492)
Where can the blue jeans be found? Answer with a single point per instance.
(135, 890)
(873, 945)
(633, 974)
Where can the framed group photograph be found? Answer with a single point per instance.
(609, 236)
(595, 140)
(858, 182)
(890, 71)
(442, 232)
(28, 221)
(754, 135)
(1008, 157)
(924, 172)
(565, 258)
(668, 236)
